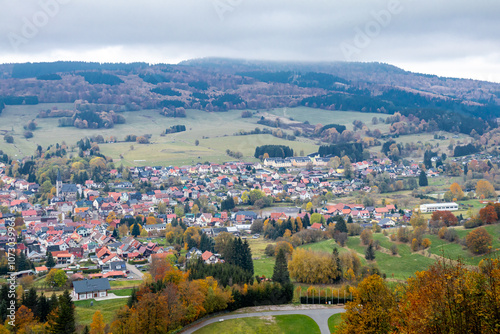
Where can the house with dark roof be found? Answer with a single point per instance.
(69, 191)
(87, 289)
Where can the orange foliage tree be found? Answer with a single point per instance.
(479, 241)
(170, 303)
(488, 214)
(447, 298)
(24, 318)
(443, 218)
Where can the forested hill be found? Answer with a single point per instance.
(213, 84)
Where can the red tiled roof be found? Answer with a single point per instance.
(206, 255)
(316, 226)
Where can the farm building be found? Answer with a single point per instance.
(438, 207)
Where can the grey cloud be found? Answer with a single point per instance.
(422, 31)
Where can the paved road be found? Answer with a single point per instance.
(319, 315)
(133, 269)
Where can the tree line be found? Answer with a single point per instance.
(273, 151)
(353, 150)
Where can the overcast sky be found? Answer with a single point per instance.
(459, 38)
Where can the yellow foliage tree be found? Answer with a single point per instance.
(97, 325)
(417, 220)
(285, 245)
(484, 189)
(312, 267)
(111, 217)
(151, 220)
(457, 191)
(195, 209)
(378, 306)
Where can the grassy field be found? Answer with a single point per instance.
(334, 321)
(453, 250)
(398, 267)
(286, 324)
(314, 116)
(215, 132)
(263, 264)
(122, 292)
(125, 284)
(324, 246)
(108, 308)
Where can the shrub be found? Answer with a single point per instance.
(142, 140)
(354, 229)
(366, 236)
(9, 139)
(340, 238)
(270, 250)
(414, 245)
(473, 222)
(285, 245)
(442, 231)
(28, 134)
(451, 235)
(404, 234)
(394, 249)
(426, 243)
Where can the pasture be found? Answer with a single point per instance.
(215, 132)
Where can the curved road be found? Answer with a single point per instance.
(319, 315)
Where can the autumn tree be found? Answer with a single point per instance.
(195, 209)
(417, 220)
(479, 241)
(488, 214)
(366, 236)
(24, 318)
(312, 267)
(151, 220)
(111, 216)
(334, 162)
(97, 325)
(456, 191)
(285, 246)
(484, 189)
(449, 298)
(372, 309)
(443, 218)
(56, 278)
